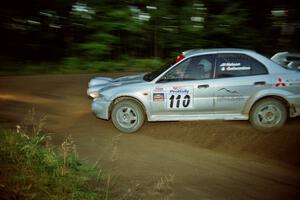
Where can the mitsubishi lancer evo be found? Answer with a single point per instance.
(202, 84)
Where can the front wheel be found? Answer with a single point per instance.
(268, 115)
(127, 116)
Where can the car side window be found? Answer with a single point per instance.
(237, 65)
(195, 68)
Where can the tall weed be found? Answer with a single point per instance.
(38, 170)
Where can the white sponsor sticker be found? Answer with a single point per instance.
(180, 97)
(230, 64)
(238, 68)
(233, 67)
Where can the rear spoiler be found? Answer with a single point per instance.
(289, 60)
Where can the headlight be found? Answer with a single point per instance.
(94, 94)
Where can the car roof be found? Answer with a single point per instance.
(272, 66)
(215, 50)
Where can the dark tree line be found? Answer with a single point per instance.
(53, 30)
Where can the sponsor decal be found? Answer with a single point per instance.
(158, 97)
(243, 68)
(229, 95)
(233, 99)
(177, 87)
(280, 83)
(294, 84)
(229, 91)
(179, 97)
(158, 89)
(230, 64)
(179, 90)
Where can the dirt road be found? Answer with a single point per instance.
(180, 160)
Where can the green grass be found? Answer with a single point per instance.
(31, 168)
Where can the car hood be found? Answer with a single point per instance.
(99, 83)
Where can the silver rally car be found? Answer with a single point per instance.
(203, 84)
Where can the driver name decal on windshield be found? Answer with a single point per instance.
(180, 97)
(230, 64)
(233, 67)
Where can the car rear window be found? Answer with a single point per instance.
(237, 65)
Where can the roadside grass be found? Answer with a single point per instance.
(75, 65)
(126, 64)
(32, 168)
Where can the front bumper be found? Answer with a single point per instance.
(100, 108)
(92, 92)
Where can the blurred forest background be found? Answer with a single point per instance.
(101, 35)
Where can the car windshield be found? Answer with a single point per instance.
(152, 75)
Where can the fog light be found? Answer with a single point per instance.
(94, 94)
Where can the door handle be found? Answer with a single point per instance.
(260, 83)
(203, 86)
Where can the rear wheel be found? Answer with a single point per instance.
(127, 116)
(268, 115)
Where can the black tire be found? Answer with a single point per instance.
(268, 115)
(128, 116)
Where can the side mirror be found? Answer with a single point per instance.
(163, 79)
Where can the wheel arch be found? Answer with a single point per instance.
(121, 98)
(277, 97)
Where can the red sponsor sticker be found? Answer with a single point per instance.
(158, 89)
(177, 87)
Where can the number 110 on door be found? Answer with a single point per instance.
(179, 101)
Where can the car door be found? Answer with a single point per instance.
(237, 78)
(186, 89)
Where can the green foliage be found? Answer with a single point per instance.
(41, 172)
(94, 49)
(125, 64)
(108, 31)
(144, 64)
